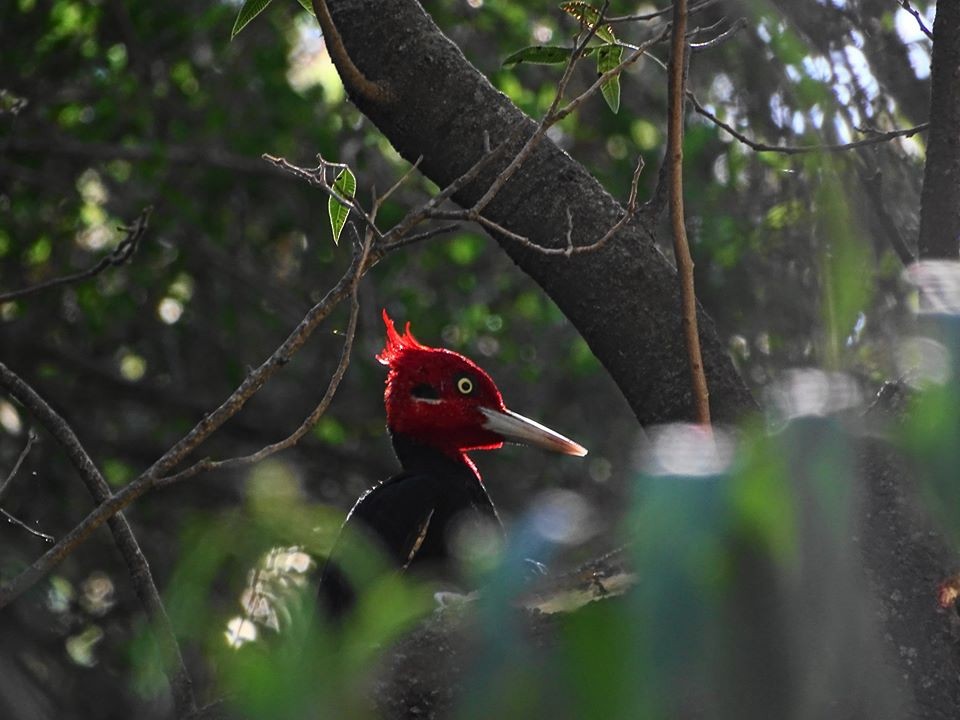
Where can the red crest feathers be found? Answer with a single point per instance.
(397, 344)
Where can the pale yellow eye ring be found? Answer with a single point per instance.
(465, 385)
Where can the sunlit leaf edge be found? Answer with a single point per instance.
(249, 10)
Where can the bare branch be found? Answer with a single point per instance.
(637, 53)
(570, 249)
(212, 157)
(123, 252)
(425, 235)
(905, 4)
(737, 26)
(140, 575)
(20, 523)
(659, 13)
(379, 201)
(799, 149)
(31, 439)
(318, 178)
(554, 115)
(681, 248)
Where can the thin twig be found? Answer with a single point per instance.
(738, 25)
(637, 53)
(212, 157)
(123, 252)
(31, 439)
(681, 247)
(799, 149)
(142, 579)
(379, 201)
(318, 178)
(425, 235)
(17, 521)
(905, 4)
(570, 249)
(659, 13)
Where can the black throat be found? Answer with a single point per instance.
(418, 458)
(458, 483)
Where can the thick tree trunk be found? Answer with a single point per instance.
(940, 211)
(623, 299)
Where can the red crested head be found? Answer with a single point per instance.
(434, 395)
(440, 398)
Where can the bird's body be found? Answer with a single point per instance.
(440, 405)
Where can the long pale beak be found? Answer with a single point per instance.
(520, 429)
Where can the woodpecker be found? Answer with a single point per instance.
(440, 406)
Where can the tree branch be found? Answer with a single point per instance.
(31, 439)
(210, 156)
(799, 149)
(123, 252)
(659, 13)
(137, 565)
(350, 74)
(905, 4)
(681, 248)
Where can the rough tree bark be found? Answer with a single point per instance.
(624, 298)
(940, 212)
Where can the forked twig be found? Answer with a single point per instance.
(123, 252)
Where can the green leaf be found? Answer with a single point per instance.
(308, 6)
(345, 185)
(589, 15)
(250, 9)
(543, 54)
(608, 57)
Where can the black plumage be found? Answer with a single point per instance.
(411, 518)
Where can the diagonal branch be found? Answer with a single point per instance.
(31, 439)
(905, 4)
(21, 524)
(123, 252)
(140, 575)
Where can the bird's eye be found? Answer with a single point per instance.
(465, 385)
